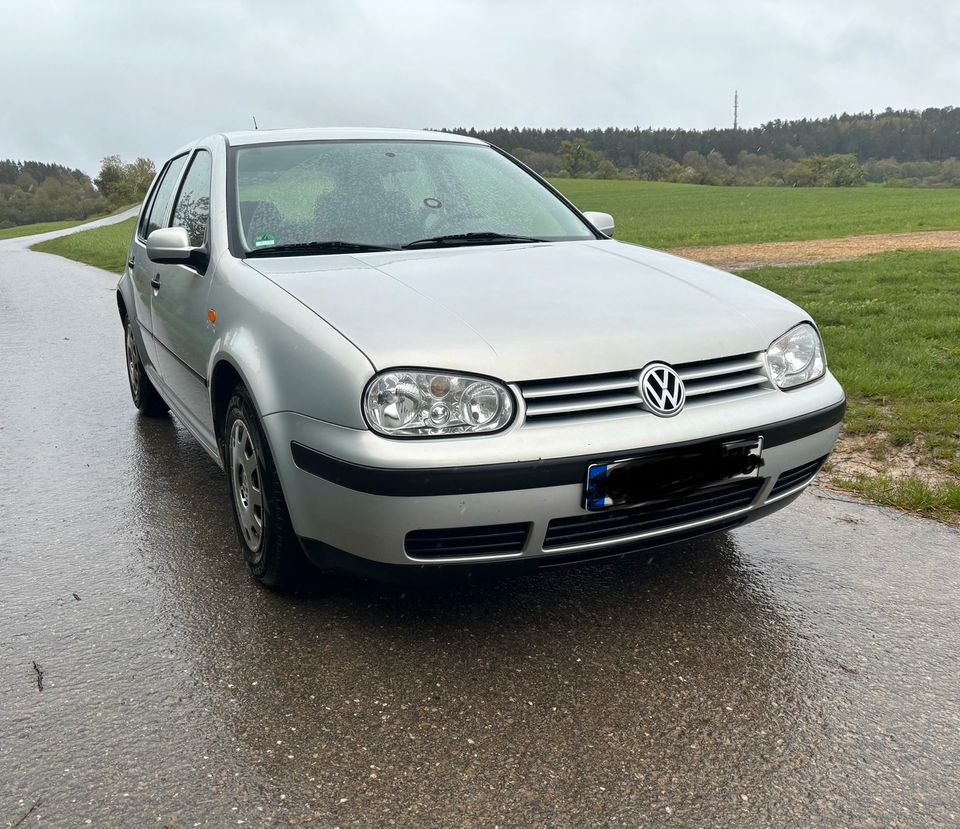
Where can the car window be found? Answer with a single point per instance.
(163, 192)
(193, 204)
(476, 185)
(389, 193)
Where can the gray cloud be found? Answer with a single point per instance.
(84, 78)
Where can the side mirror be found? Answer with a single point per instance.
(171, 246)
(601, 221)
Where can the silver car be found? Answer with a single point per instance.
(406, 348)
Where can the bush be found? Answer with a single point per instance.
(826, 171)
(124, 184)
(578, 159)
(606, 169)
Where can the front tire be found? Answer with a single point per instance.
(266, 535)
(145, 396)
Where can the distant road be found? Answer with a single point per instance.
(24, 242)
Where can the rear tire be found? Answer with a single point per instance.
(145, 396)
(267, 539)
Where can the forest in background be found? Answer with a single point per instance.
(33, 191)
(895, 148)
(905, 148)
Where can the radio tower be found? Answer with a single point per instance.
(736, 106)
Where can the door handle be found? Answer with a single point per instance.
(155, 282)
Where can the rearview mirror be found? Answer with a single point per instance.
(601, 221)
(171, 246)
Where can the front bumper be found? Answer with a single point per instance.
(342, 502)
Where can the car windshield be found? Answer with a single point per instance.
(299, 197)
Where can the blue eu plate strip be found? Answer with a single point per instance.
(596, 498)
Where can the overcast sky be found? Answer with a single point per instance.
(85, 78)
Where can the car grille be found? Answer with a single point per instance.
(795, 477)
(707, 381)
(625, 523)
(467, 542)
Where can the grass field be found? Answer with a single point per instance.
(890, 321)
(683, 215)
(664, 215)
(104, 247)
(42, 227)
(46, 227)
(892, 332)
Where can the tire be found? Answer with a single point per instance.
(267, 539)
(145, 396)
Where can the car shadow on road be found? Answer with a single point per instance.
(703, 591)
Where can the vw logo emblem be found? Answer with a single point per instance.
(662, 390)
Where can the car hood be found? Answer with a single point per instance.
(521, 312)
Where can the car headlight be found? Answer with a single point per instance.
(418, 403)
(796, 357)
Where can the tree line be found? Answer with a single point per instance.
(893, 147)
(918, 148)
(34, 191)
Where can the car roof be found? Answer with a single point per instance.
(246, 137)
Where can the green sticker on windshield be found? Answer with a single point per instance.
(264, 240)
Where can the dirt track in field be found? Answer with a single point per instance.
(744, 257)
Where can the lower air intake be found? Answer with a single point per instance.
(467, 542)
(795, 477)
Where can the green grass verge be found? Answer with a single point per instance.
(665, 215)
(46, 227)
(890, 326)
(941, 501)
(104, 247)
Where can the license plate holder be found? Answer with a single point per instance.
(671, 473)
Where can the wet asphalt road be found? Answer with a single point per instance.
(798, 672)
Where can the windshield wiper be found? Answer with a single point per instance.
(470, 239)
(332, 246)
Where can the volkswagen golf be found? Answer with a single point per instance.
(407, 349)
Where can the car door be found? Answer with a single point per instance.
(141, 268)
(183, 333)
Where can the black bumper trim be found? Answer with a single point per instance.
(501, 477)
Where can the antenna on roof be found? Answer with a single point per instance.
(255, 122)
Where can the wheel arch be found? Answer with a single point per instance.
(227, 372)
(225, 376)
(125, 303)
